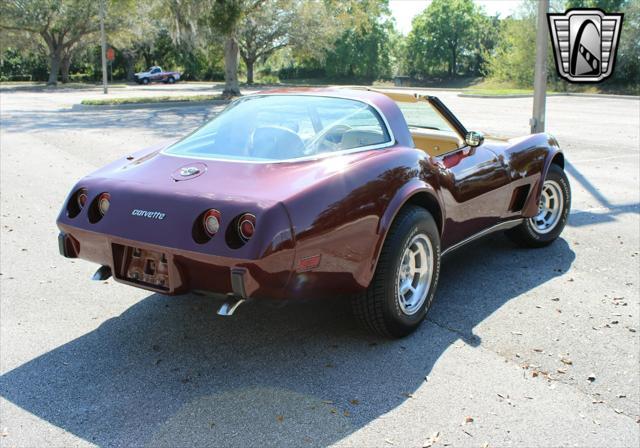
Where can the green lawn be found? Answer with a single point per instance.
(151, 99)
(44, 86)
(500, 92)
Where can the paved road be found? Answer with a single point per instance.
(511, 342)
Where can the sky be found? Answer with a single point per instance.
(405, 10)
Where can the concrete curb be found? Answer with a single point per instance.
(586, 95)
(154, 105)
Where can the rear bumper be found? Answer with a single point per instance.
(185, 270)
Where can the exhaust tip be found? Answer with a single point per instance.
(228, 308)
(103, 273)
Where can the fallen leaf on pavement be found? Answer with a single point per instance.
(354, 401)
(280, 418)
(566, 361)
(431, 440)
(591, 378)
(468, 420)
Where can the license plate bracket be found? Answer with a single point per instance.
(146, 267)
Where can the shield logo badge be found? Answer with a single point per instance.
(585, 43)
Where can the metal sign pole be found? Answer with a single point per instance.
(537, 121)
(104, 48)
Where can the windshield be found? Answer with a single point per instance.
(282, 127)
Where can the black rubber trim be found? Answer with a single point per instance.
(237, 282)
(444, 110)
(62, 246)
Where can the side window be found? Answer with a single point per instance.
(429, 130)
(422, 115)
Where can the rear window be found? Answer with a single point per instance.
(283, 127)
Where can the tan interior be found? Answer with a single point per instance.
(435, 143)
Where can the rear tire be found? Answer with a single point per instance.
(555, 204)
(405, 281)
(171, 80)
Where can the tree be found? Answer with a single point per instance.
(361, 54)
(265, 31)
(61, 24)
(441, 34)
(304, 25)
(627, 68)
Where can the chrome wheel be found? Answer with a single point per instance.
(549, 208)
(414, 274)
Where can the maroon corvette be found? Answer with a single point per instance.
(291, 194)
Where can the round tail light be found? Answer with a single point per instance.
(211, 222)
(82, 197)
(104, 201)
(246, 226)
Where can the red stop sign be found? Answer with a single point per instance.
(111, 54)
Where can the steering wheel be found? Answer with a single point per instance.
(329, 140)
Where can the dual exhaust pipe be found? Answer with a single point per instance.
(226, 309)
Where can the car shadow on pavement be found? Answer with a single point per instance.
(169, 372)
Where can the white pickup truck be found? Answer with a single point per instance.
(156, 74)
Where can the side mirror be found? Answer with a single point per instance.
(474, 138)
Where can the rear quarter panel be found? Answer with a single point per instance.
(344, 219)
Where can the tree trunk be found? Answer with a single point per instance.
(249, 63)
(64, 68)
(231, 87)
(454, 54)
(129, 64)
(55, 59)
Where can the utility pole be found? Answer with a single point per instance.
(540, 76)
(104, 49)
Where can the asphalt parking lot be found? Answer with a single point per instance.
(521, 347)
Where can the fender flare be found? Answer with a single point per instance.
(554, 156)
(403, 196)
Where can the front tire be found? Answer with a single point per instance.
(553, 212)
(145, 81)
(404, 284)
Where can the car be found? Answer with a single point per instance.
(292, 194)
(156, 74)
